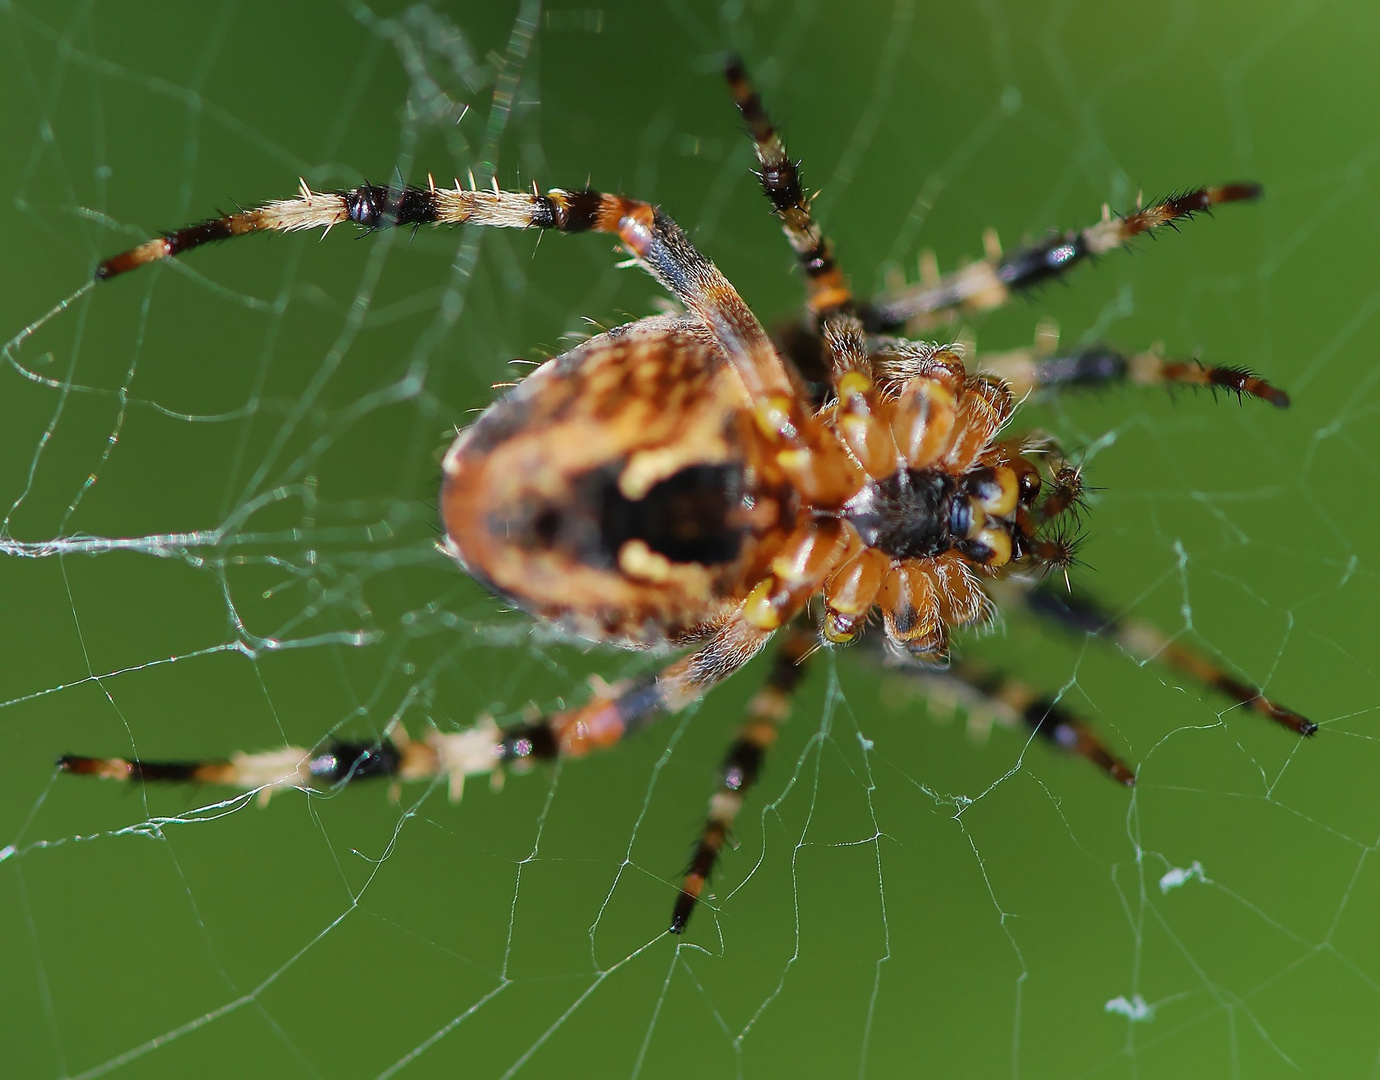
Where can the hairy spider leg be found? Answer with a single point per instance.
(828, 296)
(769, 709)
(650, 236)
(485, 748)
(336, 762)
(1012, 701)
(991, 282)
(599, 723)
(1024, 370)
(659, 245)
(827, 289)
(1080, 613)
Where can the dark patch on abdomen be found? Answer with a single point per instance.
(687, 517)
(690, 517)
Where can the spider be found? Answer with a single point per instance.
(686, 481)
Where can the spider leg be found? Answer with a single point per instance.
(1024, 370)
(828, 296)
(767, 711)
(795, 575)
(992, 281)
(827, 290)
(451, 756)
(656, 241)
(1013, 701)
(1080, 613)
(336, 762)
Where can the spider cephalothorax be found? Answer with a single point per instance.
(687, 480)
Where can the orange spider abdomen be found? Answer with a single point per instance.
(620, 490)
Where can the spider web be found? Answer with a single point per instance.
(217, 481)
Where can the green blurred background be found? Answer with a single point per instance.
(259, 428)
